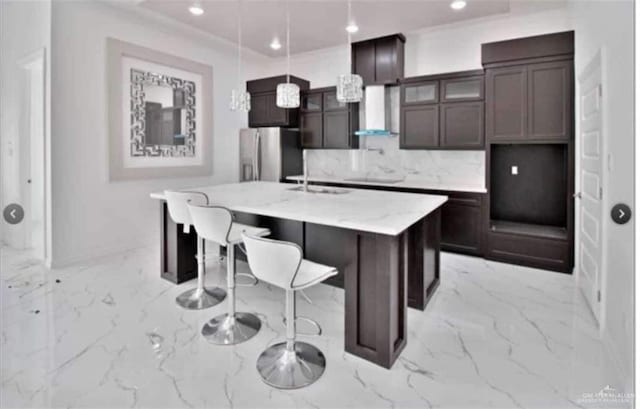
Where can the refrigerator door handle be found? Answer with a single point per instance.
(256, 153)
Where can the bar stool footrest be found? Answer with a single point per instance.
(309, 320)
(254, 280)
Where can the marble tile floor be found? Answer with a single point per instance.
(107, 334)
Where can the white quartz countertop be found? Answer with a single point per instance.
(407, 184)
(381, 212)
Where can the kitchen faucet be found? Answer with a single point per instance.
(379, 150)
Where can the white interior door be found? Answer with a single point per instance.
(32, 154)
(590, 215)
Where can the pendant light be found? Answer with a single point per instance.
(288, 94)
(240, 99)
(349, 85)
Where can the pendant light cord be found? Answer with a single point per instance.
(240, 44)
(349, 36)
(288, 42)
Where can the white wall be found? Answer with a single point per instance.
(16, 43)
(447, 48)
(608, 26)
(91, 215)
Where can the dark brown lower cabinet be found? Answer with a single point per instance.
(462, 223)
(425, 237)
(517, 247)
(177, 263)
(332, 246)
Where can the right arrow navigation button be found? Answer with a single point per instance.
(621, 213)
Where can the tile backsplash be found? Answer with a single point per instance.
(382, 157)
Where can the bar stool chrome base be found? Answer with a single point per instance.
(201, 298)
(286, 369)
(230, 330)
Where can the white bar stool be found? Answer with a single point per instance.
(200, 297)
(291, 364)
(215, 223)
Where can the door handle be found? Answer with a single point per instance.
(256, 171)
(577, 195)
(254, 159)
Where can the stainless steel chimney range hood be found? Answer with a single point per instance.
(381, 111)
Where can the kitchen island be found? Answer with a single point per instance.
(385, 245)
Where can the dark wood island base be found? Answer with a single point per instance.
(381, 274)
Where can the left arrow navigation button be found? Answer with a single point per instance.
(13, 213)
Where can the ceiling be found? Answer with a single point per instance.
(317, 24)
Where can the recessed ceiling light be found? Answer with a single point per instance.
(196, 9)
(458, 4)
(275, 44)
(352, 28)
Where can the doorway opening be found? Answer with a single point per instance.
(32, 157)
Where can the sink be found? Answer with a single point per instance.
(374, 180)
(319, 189)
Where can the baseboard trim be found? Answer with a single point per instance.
(625, 379)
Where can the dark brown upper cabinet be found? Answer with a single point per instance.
(506, 103)
(310, 102)
(549, 100)
(335, 128)
(462, 125)
(258, 114)
(419, 127)
(327, 123)
(264, 111)
(330, 102)
(522, 50)
(379, 61)
(419, 93)
(444, 111)
(277, 115)
(364, 61)
(311, 129)
(529, 86)
(462, 89)
(530, 102)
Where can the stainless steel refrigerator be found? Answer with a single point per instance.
(269, 154)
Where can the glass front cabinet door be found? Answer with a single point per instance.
(419, 93)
